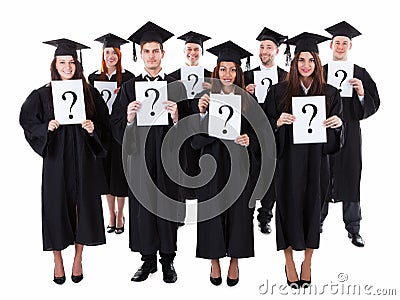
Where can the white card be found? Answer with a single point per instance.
(339, 74)
(264, 80)
(192, 77)
(152, 95)
(310, 114)
(106, 90)
(68, 101)
(225, 116)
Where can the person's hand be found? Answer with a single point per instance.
(172, 109)
(206, 85)
(133, 107)
(285, 118)
(333, 122)
(53, 125)
(88, 126)
(251, 88)
(204, 101)
(242, 140)
(357, 85)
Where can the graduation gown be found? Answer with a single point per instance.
(230, 233)
(148, 233)
(113, 168)
(301, 174)
(347, 164)
(72, 174)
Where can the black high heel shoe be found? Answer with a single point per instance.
(215, 281)
(293, 284)
(119, 230)
(304, 283)
(232, 282)
(77, 278)
(111, 229)
(59, 280)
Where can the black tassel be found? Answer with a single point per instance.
(80, 56)
(134, 53)
(288, 54)
(248, 63)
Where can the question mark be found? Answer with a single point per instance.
(313, 115)
(146, 93)
(108, 93)
(195, 82)
(74, 98)
(230, 115)
(344, 77)
(269, 80)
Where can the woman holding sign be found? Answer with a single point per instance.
(228, 231)
(302, 168)
(111, 71)
(72, 173)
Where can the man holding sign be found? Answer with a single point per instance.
(148, 233)
(362, 102)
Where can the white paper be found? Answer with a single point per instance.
(106, 90)
(192, 77)
(225, 116)
(264, 80)
(339, 74)
(152, 95)
(68, 101)
(310, 114)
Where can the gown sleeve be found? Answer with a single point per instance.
(371, 96)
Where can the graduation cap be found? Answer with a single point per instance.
(343, 29)
(229, 51)
(307, 42)
(194, 37)
(149, 32)
(67, 47)
(111, 40)
(268, 34)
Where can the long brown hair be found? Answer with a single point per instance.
(293, 81)
(88, 97)
(104, 68)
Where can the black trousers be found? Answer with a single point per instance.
(166, 258)
(267, 203)
(351, 215)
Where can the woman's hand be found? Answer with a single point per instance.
(88, 126)
(53, 125)
(242, 140)
(204, 101)
(133, 107)
(285, 118)
(333, 122)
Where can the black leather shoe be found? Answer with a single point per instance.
(215, 281)
(265, 228)
(232, 282)
(169, 274)
(144, 271)
(119, 230)
(356, 239)
(59, 280)
(76, 278)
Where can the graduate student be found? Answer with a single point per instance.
(149, 233)
(230, 232)
(347, 164)
(302, 169)
(269, 48)
(72, 168)
(117, 188)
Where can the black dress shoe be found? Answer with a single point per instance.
(144, 271)
(119, 230)
(169, 274)
(215, 281)
(76, 278)
(304, 283)
(59, 280)
(232, 282)
(356, 239)
(265, 228)
(293, 284)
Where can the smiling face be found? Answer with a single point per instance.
(110, 57)
(340, 45)
(65, 66)
(192, 54)
(227, 73)
(267, 53)
(305, 65)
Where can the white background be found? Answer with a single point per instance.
(27, 271)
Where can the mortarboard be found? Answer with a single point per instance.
(67, 47)
(149, 32)
(307, 42)
(111, 40)
(268, 34)
(194, 37)
(343, 29)
(229, 51)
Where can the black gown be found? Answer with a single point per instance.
(347, 164)
(230, 233)
(148, 233)
(72, 171)
(114, 171)
(301, 174)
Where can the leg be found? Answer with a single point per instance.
(215, 275)
(265, 211)
(233, 272)
(58, 264)
(112, 213)
(120, 220)
(290, 267)
(77, 274)
(352, 218)
(149, 266)
(167, 262)
(305, 275)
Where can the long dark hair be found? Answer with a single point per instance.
(104, 68)
(293, 81)
(216, 85)
(88, 97)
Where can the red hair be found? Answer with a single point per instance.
(104, 69)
